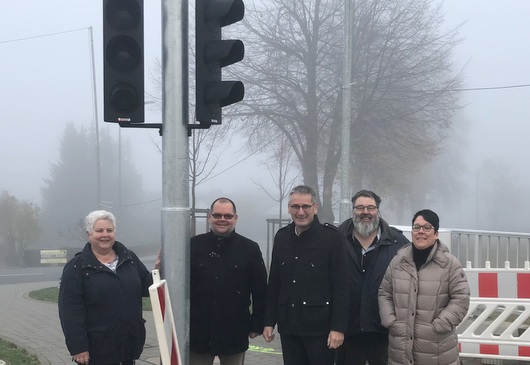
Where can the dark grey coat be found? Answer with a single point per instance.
(101, 310)
(364, 286)
(308, 287)
(226, 273)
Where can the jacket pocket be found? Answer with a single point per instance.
(316, 314)
(137, 340)
(98, 342)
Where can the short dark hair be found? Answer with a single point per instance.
(430, 217)
(224, 200)
(304, 189)
(367, 194)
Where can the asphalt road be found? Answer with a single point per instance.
(41, 274)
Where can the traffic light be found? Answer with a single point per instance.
(213, 53)
(123, 71)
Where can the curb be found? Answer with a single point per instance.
(42, 359)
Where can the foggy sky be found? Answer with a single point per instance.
(46, 83)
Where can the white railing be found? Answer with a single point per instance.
(494, 247)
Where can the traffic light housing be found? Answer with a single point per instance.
(123, 71)
(212, 54)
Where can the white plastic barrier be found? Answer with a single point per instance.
(496, 325)
(496, 329)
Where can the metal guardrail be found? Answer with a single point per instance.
(494, 247)
(273, 225)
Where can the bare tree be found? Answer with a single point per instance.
(206, 146)
(279, 168)
(18, 227)
(403, 96)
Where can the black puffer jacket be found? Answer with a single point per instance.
(364, 309)
(226, 272)
(101, 310)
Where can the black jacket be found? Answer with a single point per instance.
(308, 282)
(364, 309)
(101, 310)
(225, 273)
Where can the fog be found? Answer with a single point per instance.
(47, 82)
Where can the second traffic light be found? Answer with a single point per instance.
(213, 53)
(123, 71)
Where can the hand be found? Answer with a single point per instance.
(81, 358)
(268, 334)
(335, 339)
(253, 334)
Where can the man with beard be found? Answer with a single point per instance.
(371, 244)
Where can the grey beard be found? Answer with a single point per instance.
(364, 229)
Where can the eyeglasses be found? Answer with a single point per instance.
(361, 208)
(426, 228)
(305, 207)
(225, 216)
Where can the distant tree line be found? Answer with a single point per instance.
(73, 190)
(19, 226)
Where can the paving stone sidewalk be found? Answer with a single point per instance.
(34, 325)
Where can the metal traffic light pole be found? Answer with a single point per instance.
(175, 183)
(345, 159)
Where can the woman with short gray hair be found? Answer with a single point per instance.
(100, 298)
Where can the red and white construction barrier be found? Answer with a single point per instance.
(496, 328)
(488, 350)
(496, 325)
(499, 282)
(164, 323)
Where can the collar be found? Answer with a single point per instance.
(312, 226)
(218, 237)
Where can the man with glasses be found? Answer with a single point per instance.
(227, 274)
(371, 244)
(308, 290)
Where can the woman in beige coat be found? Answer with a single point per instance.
(423, 297)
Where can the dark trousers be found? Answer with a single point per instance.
(368, 347)
(306, 350)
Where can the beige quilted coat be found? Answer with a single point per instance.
(422, 309)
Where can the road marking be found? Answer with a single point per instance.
(34, 274)
(265, 350)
